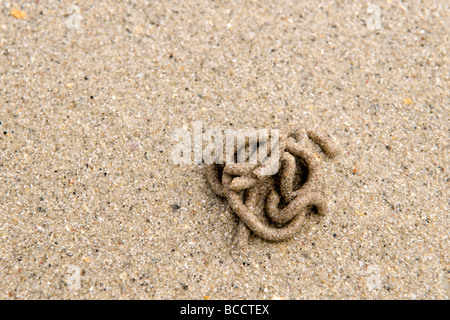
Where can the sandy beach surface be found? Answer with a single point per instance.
(93, 207)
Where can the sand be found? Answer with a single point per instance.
(93, 207)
